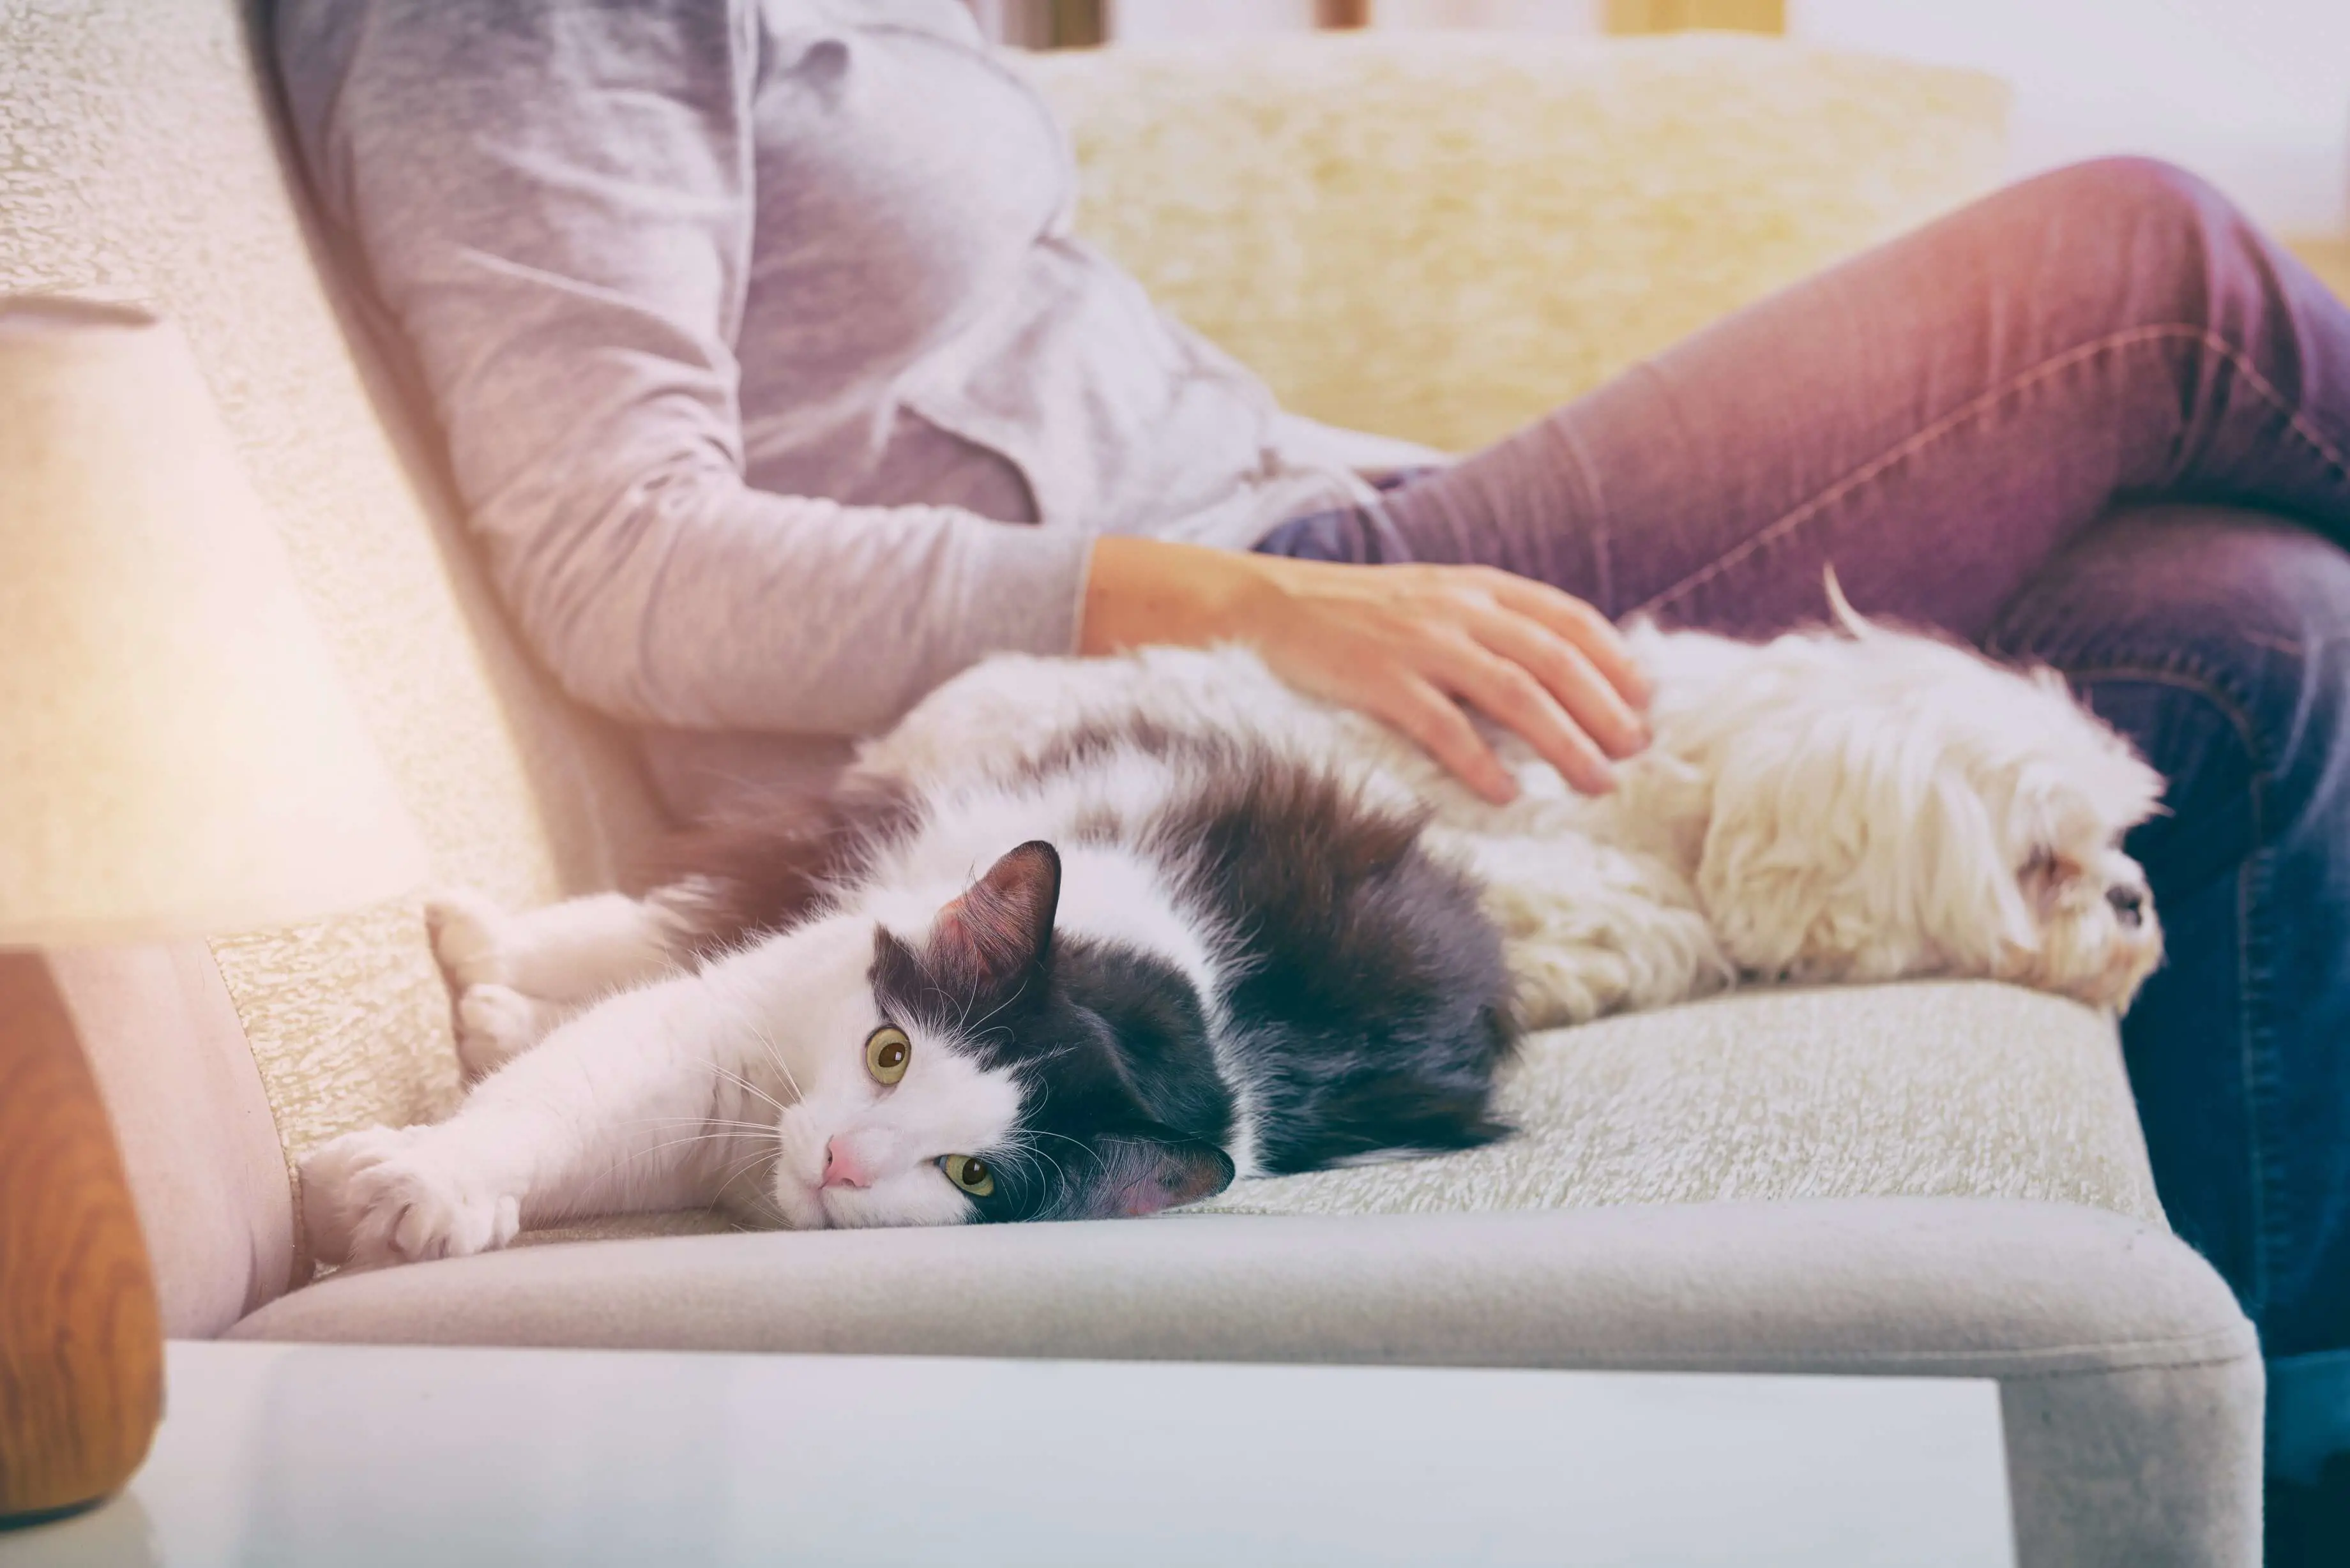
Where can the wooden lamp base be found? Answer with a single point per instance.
(81, 1337)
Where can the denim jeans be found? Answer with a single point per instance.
(2097, 420)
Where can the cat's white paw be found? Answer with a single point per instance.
(470, 938)
(495, 1023)
(387, 1195)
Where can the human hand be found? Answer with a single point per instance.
(1408, 645)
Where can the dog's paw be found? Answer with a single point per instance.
(470, 938)
(388, 1195)
(495, 1023)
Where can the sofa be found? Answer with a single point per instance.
(1433, 236)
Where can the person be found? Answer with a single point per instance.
(778, 390)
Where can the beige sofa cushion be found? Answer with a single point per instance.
(1946, 1089)
(1941, 1089)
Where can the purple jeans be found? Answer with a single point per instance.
(2098, 420)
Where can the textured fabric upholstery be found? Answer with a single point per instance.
(1943, 1090)
(1443, 236)
(2129, 1383)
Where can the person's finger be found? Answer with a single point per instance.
(1598, 707)
(1437, 725)
(1579, 624)
(1509, 696)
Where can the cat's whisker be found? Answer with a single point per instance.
(623, 1167)
(637, 1154)
(626, 1169)
(713, 1122)
(1086, 1149)
(767, 1043)
(1020, 1150)
(747, 1086)
(1007, 1002)
(743, 1167)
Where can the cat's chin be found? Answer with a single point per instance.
(910, 1197)
(799, 1206)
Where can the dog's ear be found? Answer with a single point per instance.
(1974, 901)
(1838, 849)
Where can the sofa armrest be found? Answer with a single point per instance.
(1441, 236)
(199, 1139)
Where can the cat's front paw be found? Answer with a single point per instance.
(470, 939)
(495, 1023)
(387, 1195)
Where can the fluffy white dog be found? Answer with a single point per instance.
(1852, 802)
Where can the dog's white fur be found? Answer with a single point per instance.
(1850, 804)
(1853, 804)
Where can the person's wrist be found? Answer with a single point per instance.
(1144, 591)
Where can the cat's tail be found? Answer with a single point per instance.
(768, 859)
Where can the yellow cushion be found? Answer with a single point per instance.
(1441, 236)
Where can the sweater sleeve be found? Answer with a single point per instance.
(553, 201)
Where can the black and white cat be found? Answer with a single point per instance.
(1093, 938)
(1197, 959)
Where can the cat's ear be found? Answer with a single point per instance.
(1148, 1170)
(1001, 928)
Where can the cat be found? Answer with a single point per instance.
(1095, 938)
(1199, 958)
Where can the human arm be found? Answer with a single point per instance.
(553, 203)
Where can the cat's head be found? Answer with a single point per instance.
(970, 1066)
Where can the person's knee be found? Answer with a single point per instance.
(2131, 186)
(2243, 613)
(2137, 230)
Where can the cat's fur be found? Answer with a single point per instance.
(1154, 921)
(1182, 957)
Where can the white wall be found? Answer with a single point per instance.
(2252, 94)
(1525, 16)
(1133, 21)
(1130, 20)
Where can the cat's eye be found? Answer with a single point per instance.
(969, 1174)
(887, 1052)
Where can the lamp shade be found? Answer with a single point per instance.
(177, 754)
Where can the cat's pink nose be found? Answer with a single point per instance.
(841, 1166)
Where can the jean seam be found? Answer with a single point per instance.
(2295, 421)
(2255, 1048)
(2258, 1056)
(1982, 403)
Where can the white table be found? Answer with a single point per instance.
(355, 1456)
